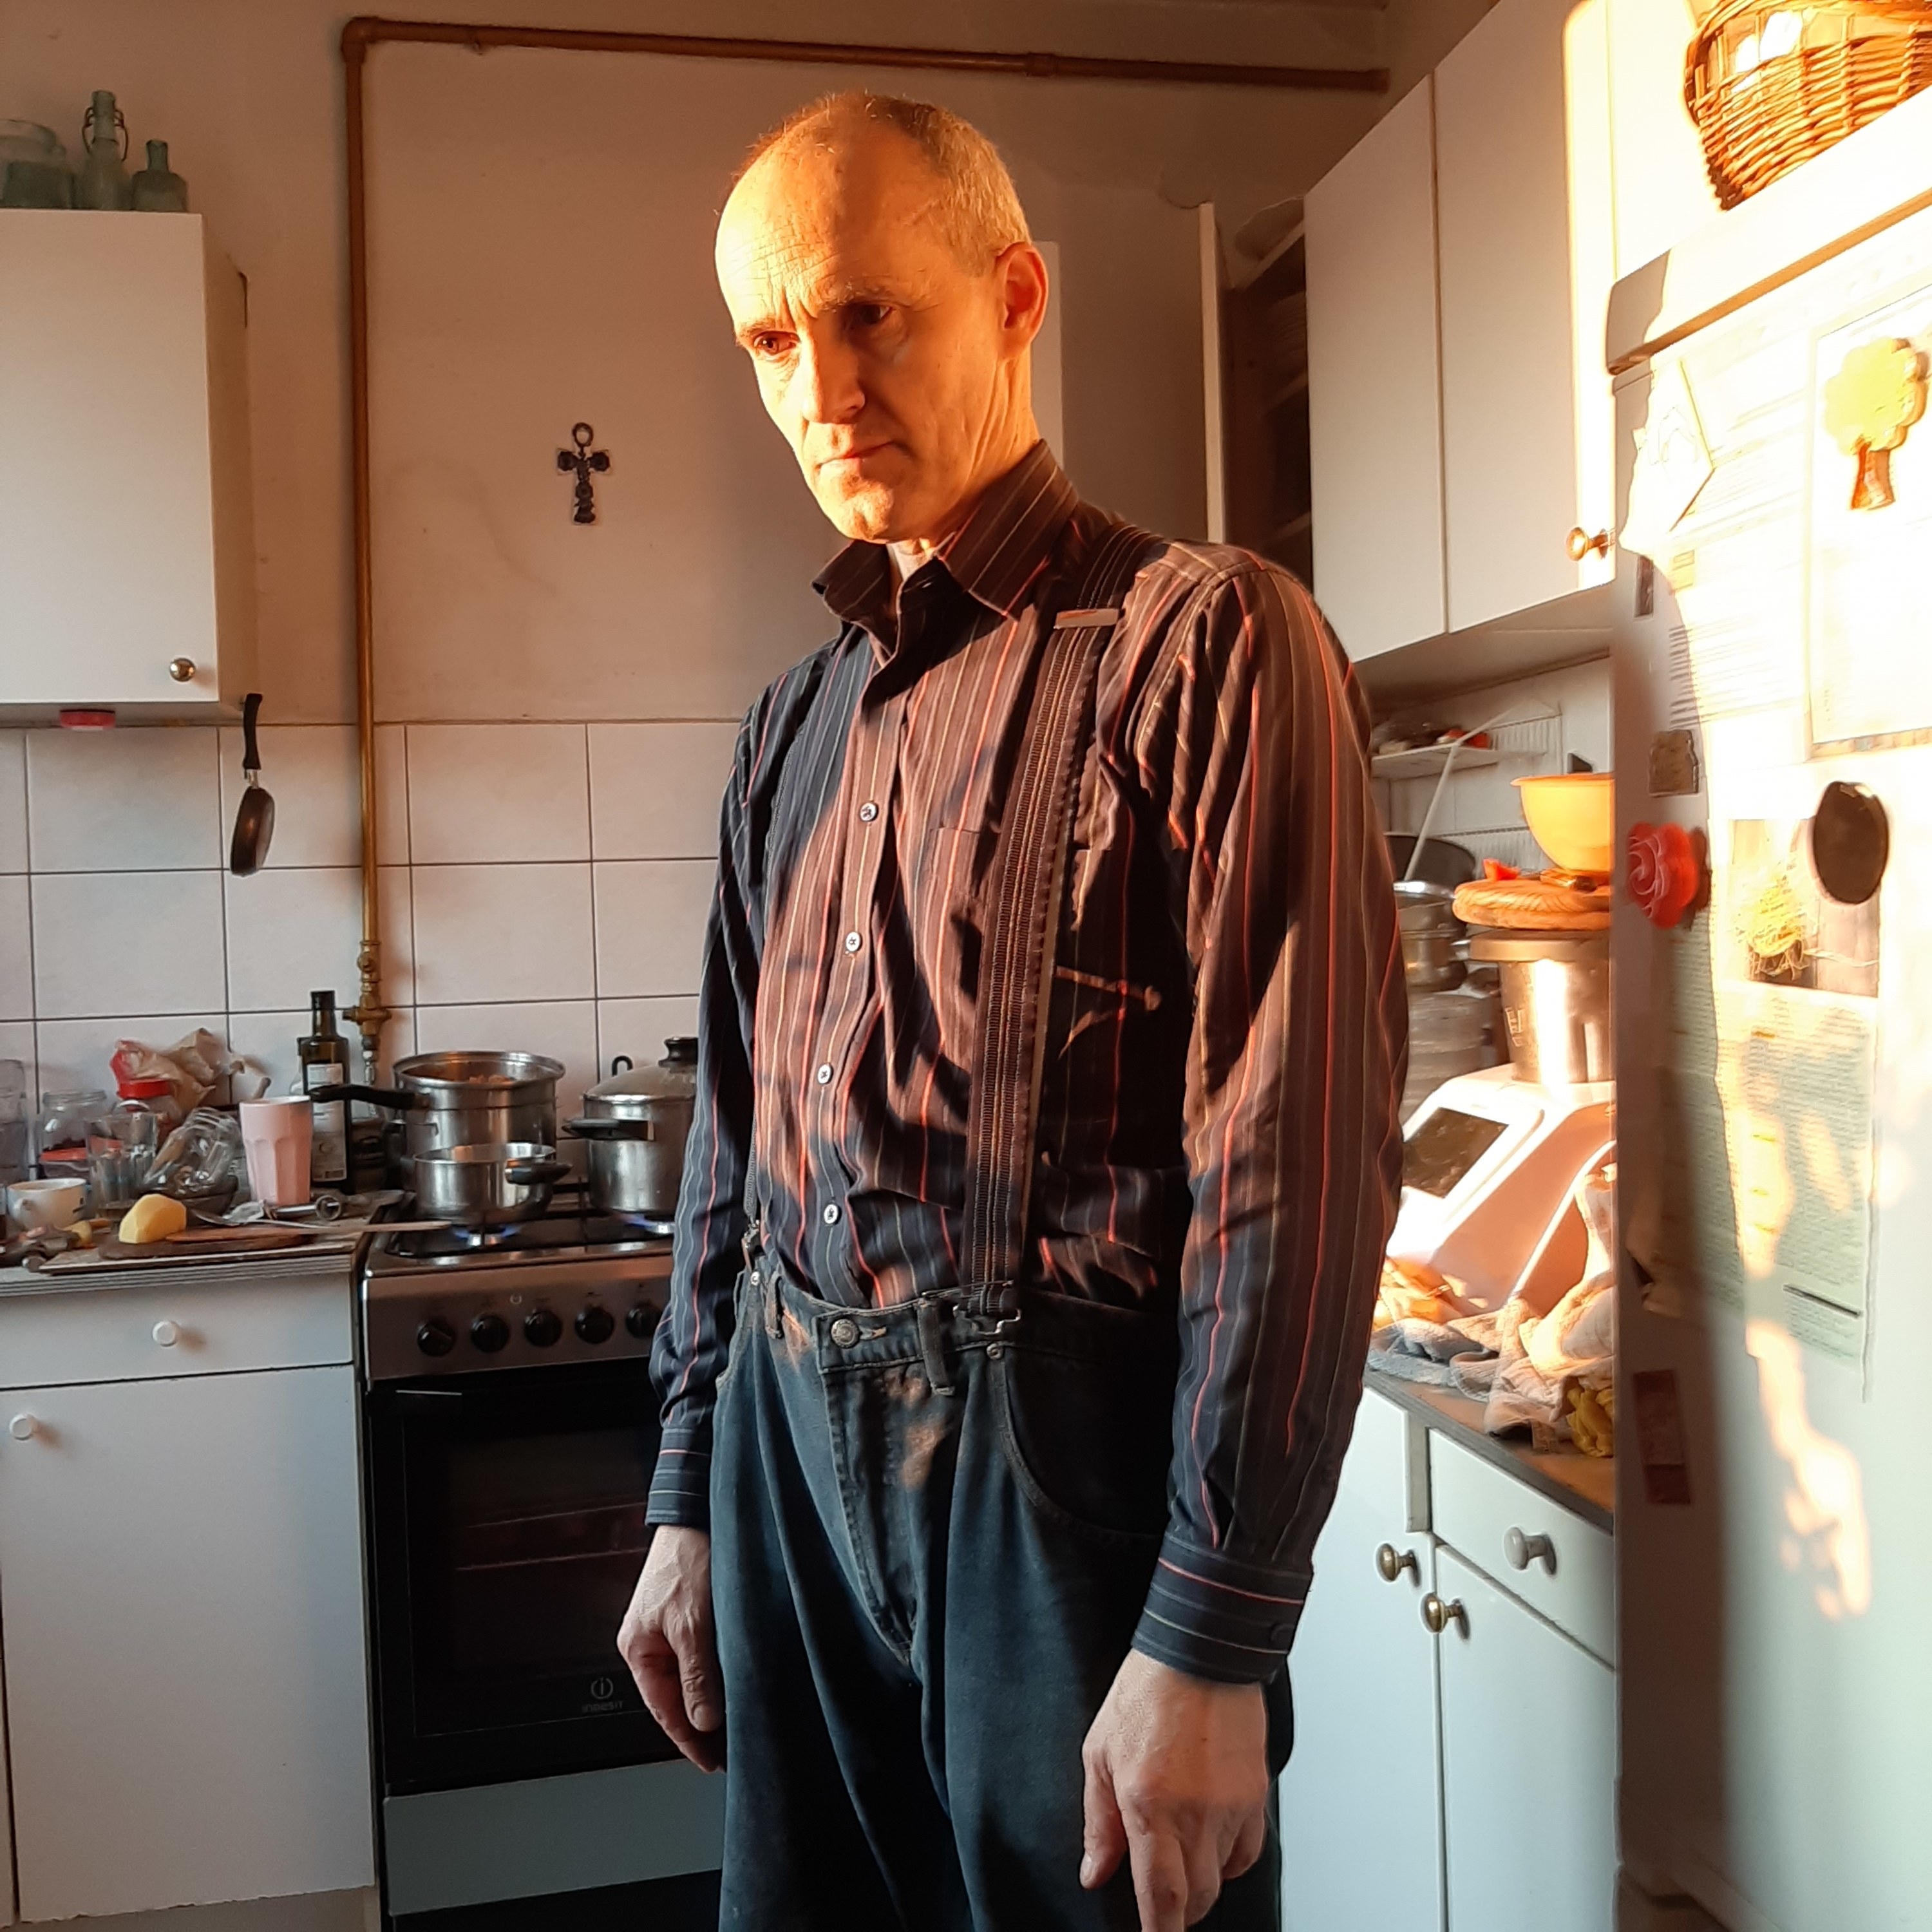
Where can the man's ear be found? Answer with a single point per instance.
(1019, 272)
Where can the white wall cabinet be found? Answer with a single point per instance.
(1662, 190)
(1374, 395)
(126, 544)
(1457, 1781)
(181, 1630)
(1360, 1849)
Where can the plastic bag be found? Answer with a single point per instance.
(193, 1067)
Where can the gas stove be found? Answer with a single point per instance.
(570, 1285)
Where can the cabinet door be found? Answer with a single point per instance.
(180, 1605)
(1528, 259)
(1360, 1849)
(1663, 190)
(1528, 1767)
(1374, 394)
(123, 436)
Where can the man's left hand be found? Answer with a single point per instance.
(1177, 1782)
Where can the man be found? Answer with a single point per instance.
(1003, 1574)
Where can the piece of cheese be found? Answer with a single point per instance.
(152, 1218)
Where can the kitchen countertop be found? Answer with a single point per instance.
(1585, 1484)
(80, 1268)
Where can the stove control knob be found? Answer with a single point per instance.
(541, 1328)
(490, 1332)
(641, 1321)
(436, 1337)
(594, 1325)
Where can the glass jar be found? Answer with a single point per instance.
(61, 1132)
(159, 1097)
(35, 170)
(119, 1155)
(14, 1159)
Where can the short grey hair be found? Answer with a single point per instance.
(979, 210)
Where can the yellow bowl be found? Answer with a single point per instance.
(1573, 818)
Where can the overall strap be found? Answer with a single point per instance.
(1029, 884)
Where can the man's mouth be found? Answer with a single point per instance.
(850, 458)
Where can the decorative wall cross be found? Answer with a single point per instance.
(583, 459)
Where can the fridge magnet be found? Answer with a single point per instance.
(1664, 871)
(585, 461)
(1851, 843)
(1877, 395)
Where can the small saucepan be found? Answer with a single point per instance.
(634, 1127)
(494, 1184)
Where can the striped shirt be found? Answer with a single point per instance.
(1218, 1133)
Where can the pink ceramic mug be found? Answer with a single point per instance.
(275, 1136)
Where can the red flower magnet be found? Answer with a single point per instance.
(1663, 872)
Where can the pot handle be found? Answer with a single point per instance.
(391, 1097)
(606, 1128)
(535, 1173)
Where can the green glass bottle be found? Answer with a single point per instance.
(156, 191)
(103, 182)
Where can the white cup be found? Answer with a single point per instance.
(275, 1136)
(45, 1203)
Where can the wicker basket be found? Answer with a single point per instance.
(1770, 85)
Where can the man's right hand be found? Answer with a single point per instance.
(666, 1639)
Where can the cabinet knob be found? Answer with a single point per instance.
(1437, 1616)
(181, 669)
(21, 1427)
(166, 1333)
(1390, 1562)
(1580, 543)
(1520, 1551)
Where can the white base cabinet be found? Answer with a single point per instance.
(182, 1623)
(1453, 1781)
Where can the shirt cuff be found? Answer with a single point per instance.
(1216, 1617)
(680, 1497)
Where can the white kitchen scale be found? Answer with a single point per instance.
(1489, 1165)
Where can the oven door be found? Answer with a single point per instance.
(507, 1512)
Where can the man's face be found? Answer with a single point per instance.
(894, 371)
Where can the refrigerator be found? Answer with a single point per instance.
(1772, 656)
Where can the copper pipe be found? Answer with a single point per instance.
(365, 31)
(369, 1014)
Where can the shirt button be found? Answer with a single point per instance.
(824, 1075)
(869, 811)
(853, 942)
(831, 1216)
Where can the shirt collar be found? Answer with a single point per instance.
(996, 555)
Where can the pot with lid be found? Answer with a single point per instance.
(633, 1126)
(1431, 955)
(469, 1100)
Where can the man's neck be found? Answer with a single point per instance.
(909, 553)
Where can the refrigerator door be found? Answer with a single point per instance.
(1774, 1086)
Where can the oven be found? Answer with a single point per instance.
(510, 1431)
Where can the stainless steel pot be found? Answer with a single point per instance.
(490, 1185)
(1432, 961)
(470, 1099)
(633, 1126)
(1556, 1002)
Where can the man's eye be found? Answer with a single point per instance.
(770, 345)
(868, 315)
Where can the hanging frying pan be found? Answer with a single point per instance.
(255, 817)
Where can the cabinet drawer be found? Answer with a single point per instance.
(1475, 1507)
(123, 1334)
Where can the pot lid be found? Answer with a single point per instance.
(468, 1072)
(673, 1078)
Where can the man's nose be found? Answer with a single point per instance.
(826, 385)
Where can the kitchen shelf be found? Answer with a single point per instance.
(1425, 761)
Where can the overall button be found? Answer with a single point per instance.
(823, 1076)
(844, 1331)
(853, 942)
(831, 1215)
(869, 811)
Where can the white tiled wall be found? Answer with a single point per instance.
(543, 886)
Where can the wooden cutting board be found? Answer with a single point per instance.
(257, 1238)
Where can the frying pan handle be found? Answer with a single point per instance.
(389, 1097)
(606, 1128)
(251, 706)
(535, 1173)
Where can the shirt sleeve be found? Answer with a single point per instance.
(693, 1336)
(1251, 745)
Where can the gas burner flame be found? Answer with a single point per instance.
(476, 1239)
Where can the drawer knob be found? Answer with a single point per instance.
(22, 1427)
(1520, 1551)
(1580, 543)
(166, 1333)
(1390, 1562)
(1437, 1616)
(181, 669)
